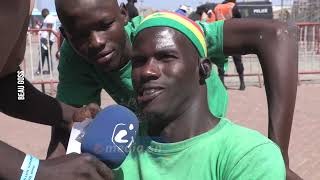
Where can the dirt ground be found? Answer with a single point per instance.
(248, 108)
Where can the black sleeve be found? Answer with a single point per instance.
(36, 107)
(236, 13)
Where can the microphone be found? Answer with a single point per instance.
(110, 135)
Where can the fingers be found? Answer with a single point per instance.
(96, 176)
(94, 109)
(101, 168)
(74, 166)
(86, 112)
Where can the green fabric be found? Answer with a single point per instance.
(170, 19)
(227, 152)
(214, 39)
(80, 83)
(214, 34)
(132, 26)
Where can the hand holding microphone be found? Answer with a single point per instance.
(74, 167)
(110, 135)
(105, 144)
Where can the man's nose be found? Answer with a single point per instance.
(97, 40)
(151, 70)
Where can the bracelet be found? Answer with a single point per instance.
(29, 167)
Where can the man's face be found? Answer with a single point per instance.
(164, 72)
(44, 14)
(96, 32)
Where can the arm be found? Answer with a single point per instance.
(60, 136)
(10, 162)
(264, 162)
(13, 15)
(48, 111)
(277, 49)
(38, 108)
(14, 23)
(77, 86)
(71, 167)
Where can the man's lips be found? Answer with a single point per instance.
(104, 57)
(148, 94)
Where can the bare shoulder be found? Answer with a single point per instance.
(14, 16)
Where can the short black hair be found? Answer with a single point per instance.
(134, 1)
(205, 8)
(45, 10)
(194, 16)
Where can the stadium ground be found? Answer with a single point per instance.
(248, 108)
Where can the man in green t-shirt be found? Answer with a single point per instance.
(97, 52)
(187, 142)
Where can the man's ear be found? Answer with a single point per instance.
(124, 13)
(205, 68)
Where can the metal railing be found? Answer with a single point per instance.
(309, 56)
(32, 65)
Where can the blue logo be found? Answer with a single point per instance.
(123, 136)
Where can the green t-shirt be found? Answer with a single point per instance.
(80, 83)
(226, 152)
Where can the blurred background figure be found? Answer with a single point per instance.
(49, 22)
(227, 10)
(211, 12)
(132, 10)
(183, 10)
(205, 12)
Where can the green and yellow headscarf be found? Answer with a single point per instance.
(183, 24)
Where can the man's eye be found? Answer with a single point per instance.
(79, 35)
(106, 25)
(167, 57)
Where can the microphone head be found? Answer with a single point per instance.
(110, 135)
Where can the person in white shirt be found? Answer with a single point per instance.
(49, 22)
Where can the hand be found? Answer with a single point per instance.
(289, 173)
(292, 175)
(71, 114)
(74, 167)
(86, 112)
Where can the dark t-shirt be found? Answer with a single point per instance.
(235, 10)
